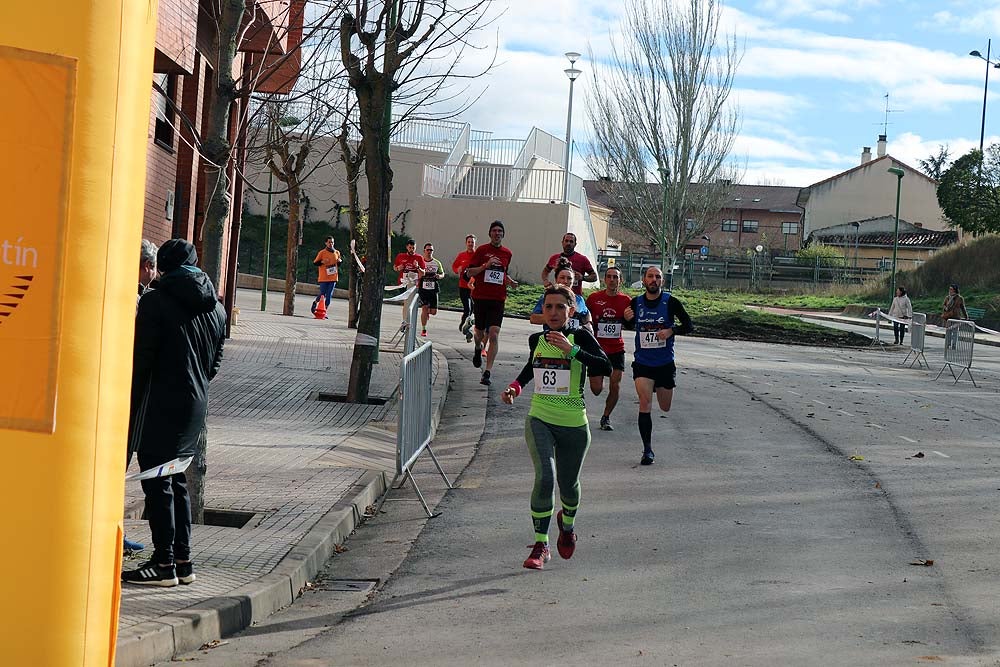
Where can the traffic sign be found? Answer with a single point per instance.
(704, 251)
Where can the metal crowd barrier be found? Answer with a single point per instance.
(918, 330)
(959, 340)
(407, 332)
(416, 427)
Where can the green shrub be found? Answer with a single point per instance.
(824, 255)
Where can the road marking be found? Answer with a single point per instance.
(875, 425)
(845, 412)
(821, 403)
(910, 440)
(942, 455)
(794, 392)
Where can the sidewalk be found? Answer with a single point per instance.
(303, 471)
(931, 330)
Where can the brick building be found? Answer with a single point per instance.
(182, 81)
(752, 215)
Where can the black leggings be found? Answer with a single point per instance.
(465, 294)
(898, 330)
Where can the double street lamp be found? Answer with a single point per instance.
(977, 54)
(572, 73)
(898, 173)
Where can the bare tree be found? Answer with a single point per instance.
(663, 126)
(292, 136)
(239, 28)
(404, 52)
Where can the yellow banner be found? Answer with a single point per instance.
(36, 127)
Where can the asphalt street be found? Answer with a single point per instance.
(794, 489)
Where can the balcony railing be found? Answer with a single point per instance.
(496, 151)
(494, 182)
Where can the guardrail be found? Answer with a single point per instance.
(959, 341)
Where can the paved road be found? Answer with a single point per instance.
(754, 540)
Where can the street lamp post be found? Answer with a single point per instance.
(664, 178)
(857, 231)
(977, 54)
(895, 236)
(572, 73)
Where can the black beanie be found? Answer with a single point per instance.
(174, 254)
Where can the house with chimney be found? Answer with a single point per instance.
(868, 192)
(855, 210)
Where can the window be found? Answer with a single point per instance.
(163, 133)
(689, 224)
(789, 228)
(730, 226)
(750, 226)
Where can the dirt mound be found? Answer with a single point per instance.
(735, 327)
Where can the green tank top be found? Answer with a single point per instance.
(558, 394)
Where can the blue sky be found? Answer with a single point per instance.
(811, 86)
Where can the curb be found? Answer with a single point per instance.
(189, 629)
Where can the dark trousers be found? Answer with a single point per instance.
(168, 509)
(898, 331)
(465, 294)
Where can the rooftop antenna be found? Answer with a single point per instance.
(885, 123)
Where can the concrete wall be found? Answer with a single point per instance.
(326, 186)
(534, 231)
(869, 192)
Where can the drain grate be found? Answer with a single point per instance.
(347, 585)
(327, 397)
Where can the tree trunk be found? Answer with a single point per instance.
(196, 478)
(218, 150)
(353, 215)
(216, 146)
(372, 101)
(292, 251)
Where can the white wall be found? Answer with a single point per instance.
(870, 192)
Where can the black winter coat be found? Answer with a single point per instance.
(180, 328)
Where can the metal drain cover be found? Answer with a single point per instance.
(347, 585)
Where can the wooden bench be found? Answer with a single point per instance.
(975, 313)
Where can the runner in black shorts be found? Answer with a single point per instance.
(490, 267)
(428, 287)
(607, 312)
(656, 317)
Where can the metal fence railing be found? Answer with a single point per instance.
(493, 182)
(918, 331)
(496, 151)
(959, 341)
(416, 420)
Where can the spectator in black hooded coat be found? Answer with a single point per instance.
(179, 332)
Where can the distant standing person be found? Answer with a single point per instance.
(607, 312)
(902, 309)
(490, 267)
(464, 289)
(953, 308)
(328, 262)
(582, 267)
(556, 430)
(656, 317)
(429, 287)
(179, 333)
